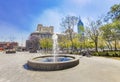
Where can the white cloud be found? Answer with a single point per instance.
(9, 32)
(50, 17)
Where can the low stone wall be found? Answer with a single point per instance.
(50, 66)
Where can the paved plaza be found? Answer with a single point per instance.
(90, 69)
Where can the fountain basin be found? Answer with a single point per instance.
(39, 63)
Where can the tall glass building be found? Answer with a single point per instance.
(80, 27)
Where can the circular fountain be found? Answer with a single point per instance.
(53, 62)
(47, 62)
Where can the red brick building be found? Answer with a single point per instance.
(8, 45)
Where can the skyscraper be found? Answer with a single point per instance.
(80, 27)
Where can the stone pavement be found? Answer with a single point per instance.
(93, 69)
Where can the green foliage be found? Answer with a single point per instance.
(114, 12)
(65, 44)
(106, 31)
(46, 43)
(95, 54)
(111, 32)
(107, 53)
(101, 43)
(76, 43)
(89, 44)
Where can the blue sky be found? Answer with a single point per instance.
(18, 18)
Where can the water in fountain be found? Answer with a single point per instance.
(55, 45)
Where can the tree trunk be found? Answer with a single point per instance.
(71, 39)
(115, 45)
(72, 47)
(110, 45)
(96, 49)
(96, 44)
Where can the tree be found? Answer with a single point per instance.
(106, 34)
(89, 44)
(34, 43)
(68, 24)
(114, 13)
(101, 43)
(76, 43)
(64, 43)
(116, 32)
(111, 32)
(93, 32)
(46, 43)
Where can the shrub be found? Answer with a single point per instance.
(8, 52)
(103, 53)
(107, 53)
(95, 54)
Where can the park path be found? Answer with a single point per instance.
(90, 69)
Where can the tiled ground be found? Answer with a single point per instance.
(93, 69)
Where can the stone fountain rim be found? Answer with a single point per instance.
(34, 61)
